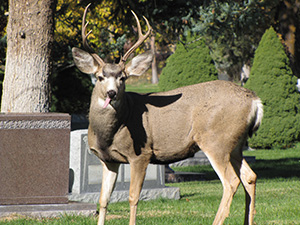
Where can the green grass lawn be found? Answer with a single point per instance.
(142, 88)
(277, 197)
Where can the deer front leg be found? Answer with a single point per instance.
(109, 177)
(137, 173)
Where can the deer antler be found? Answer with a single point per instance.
(84, 39)
(141, 39)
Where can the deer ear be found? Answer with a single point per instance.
(84, 61)
(139, 64)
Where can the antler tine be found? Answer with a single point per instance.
(141, 39)
(84, 38)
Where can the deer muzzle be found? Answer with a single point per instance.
(110, 95)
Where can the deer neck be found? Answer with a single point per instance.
(107, 121)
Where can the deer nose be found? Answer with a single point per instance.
(111, 94)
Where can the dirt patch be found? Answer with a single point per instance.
(13, 216)
(111, 217)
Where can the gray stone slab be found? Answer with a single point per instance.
(49, 210)
(121, 196)
(86, 169)
(198, 159)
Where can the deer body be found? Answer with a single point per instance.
(216, 117)
(166, 126)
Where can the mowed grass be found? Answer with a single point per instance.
(142, 88)
(277, 198)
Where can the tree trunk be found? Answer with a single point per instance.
(288, 27)
(28, 66)
(154, 66)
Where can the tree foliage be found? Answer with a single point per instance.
(273, 81)
(233, 30)
(190, 64)
(71, 92)
(108, 30)
(71, 89)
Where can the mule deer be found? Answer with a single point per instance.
(161, 128)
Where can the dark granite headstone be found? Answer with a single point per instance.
(34, 158)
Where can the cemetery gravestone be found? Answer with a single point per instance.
(34, 158)
(87, 176)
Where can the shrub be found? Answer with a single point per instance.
(273, 81)
(71, 91)
(190, 64)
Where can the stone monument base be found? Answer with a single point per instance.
(86, 176)
(121, 195)
(48, 210)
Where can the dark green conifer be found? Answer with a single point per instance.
(273, 81)
(190, 64)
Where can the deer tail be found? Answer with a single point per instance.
(255, 116)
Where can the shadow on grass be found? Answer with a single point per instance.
(279, 168)
(268, 169)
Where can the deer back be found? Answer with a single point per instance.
(168, 125)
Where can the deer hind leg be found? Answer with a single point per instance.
(230, 181)
(248, 178)
(109, 177)
(137, 176)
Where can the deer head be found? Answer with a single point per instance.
(110, 84)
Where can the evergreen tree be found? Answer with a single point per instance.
(190, 64)
(273, 81)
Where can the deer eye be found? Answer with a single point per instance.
(122, 79)
(100, 78)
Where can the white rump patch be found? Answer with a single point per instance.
(256, 113)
